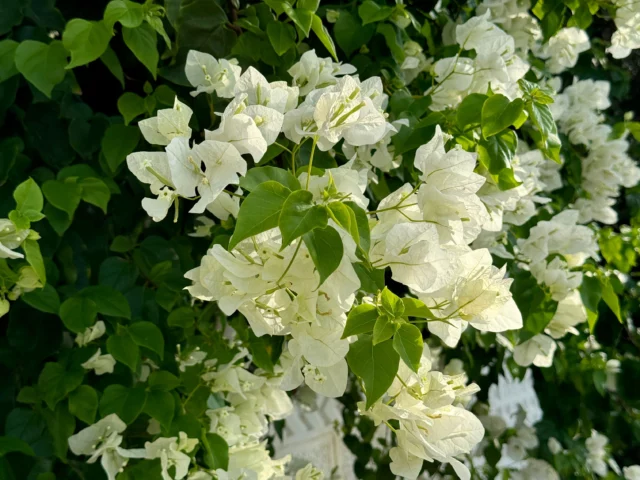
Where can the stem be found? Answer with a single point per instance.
(313, 150)
(282, 146)
(233, 194)
(286, 270)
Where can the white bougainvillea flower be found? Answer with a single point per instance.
(102, 440)
(99, 363)
(10, 239)
(562, 50)
(309, 473)
(91, 333)
(172, 452)
(210, 75)
(538, 350)
(350, 184)
(167, 125)
(632, 472)
(535, 469)
(277, 95)
(222, 165)
(481, 35)
(226, 205)
(312, 72)
(570, 312)
(241, 131)
(153, 169)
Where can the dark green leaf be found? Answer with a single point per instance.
(148, 335)
(326, 250)
(125, 402)
(83, 403)
(78, 313)
(300, 215)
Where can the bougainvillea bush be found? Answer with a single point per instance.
(213, 212)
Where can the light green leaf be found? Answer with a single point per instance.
(124, 349)
(110, 59)
(361, 319)
(260, 211)
(610, 297)
(300, 16)
(118, 142)
(323, 35)
(83, 403)
(300, 215)
(326, 250)
(282, 36)
(142, 42)
(34, 257)
(129, 14)
(408, 342)
(125, 402)
(148, 335)
(376, 365)
(28, 196)
(86, 41)
(499, 113)
(41, 64)
(257, 175)
(416, 308)
(383, 329)
(391, 303)
(371, 12)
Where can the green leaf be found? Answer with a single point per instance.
(591, 293)
(118, 142)
(78, 313)
(416, 308)
(216, 450)
(350, 34)
(45, 299)
(376, 365)
(391, 303)
(41, 64)
(384, 329)
(148, 335)
(610, 298)
(260, 211)
(258, 175)
(202, 26)
(161, 406)
(408, 342)
(361, 319)
(371, 279)
(326, 250)
(34, 257)
(28, 197)
(371, 12)
(499, 113)
(61, 426)
(163, 381)
(497, 152)
(64, 196)
(541, 116)
(110, 60)
(125, 402)
(300, 215)
(83, 403)
(394, 42)
(470, 110)
(129, 14)
(142, 41)
(362, 223)
(124, 350)
(107, 300)
(282, 37)
(11, 444)
(122, 244)
(55, 382)
(130, 106)
(300, 16)
(86, 41)
(7, 59)
(323, 35)
(95, 192)
(10, 148)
